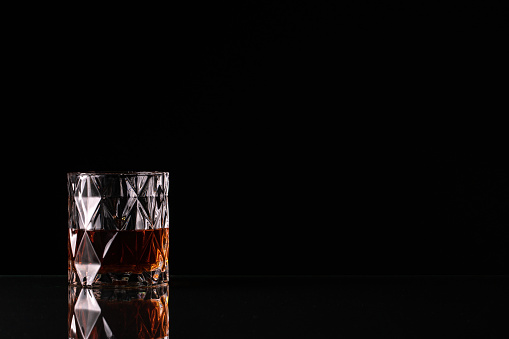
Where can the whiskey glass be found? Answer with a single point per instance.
(118, 228)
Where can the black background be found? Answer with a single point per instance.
(361, 139)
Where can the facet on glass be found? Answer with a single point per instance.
(118, 228)
(112, 312)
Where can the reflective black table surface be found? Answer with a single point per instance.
(265, 307)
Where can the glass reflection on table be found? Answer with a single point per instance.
(140, 312)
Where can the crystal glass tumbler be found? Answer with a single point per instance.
(118, 228)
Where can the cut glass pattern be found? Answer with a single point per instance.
(118, 228)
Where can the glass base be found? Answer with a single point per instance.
(125, 279)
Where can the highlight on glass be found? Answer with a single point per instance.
(118, 228)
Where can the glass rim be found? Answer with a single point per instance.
(117, 173)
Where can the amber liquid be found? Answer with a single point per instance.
(134, 251)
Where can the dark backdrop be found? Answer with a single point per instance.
(318, 140)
